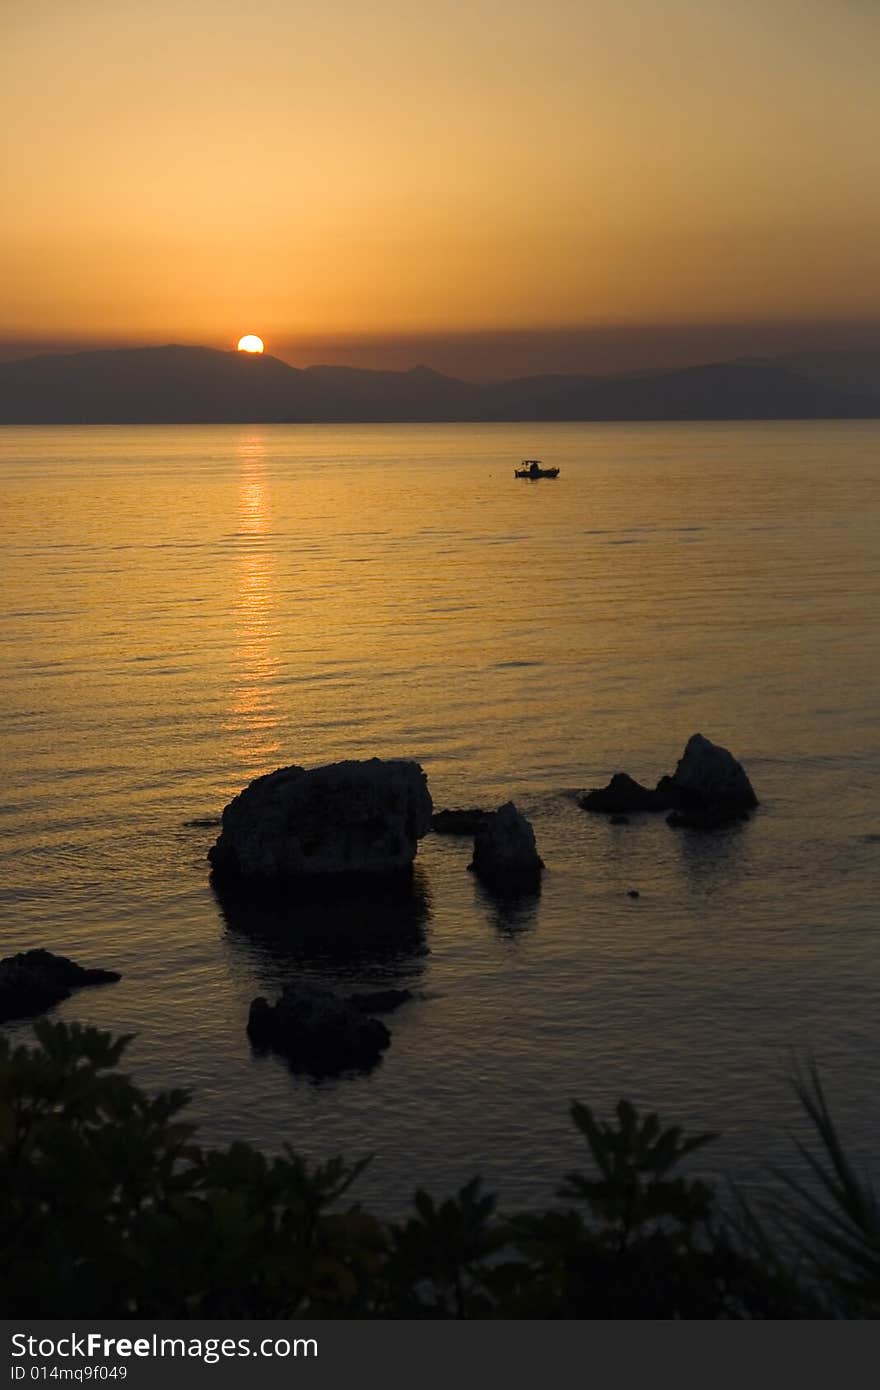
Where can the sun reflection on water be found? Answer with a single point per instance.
(254, 717)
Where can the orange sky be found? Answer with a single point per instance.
(195, 170)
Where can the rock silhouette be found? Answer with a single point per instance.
(623, 796)
(505, 853)
(343, 819)
(33, 981)
(708, 788)
(317, 1030)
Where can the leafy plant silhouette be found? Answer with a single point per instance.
(109, 1206)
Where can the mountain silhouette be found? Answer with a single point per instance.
(718, 391)
(196, 385)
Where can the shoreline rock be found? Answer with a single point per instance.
(33, 981)
(355, 817)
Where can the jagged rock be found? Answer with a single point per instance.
(459, 822)
(381, 1001)
(505, 853)
(345, 818)
(623, 794)
(708, 788)
(32, 981)
(317, 1030)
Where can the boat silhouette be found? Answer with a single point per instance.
(533, 468)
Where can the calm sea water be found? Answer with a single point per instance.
(186, 608)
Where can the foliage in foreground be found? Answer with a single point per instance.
(110, 1208)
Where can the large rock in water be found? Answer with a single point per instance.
(708, 788)
(505, 853)
(33, 981)
(317, 1030)
(345, 818)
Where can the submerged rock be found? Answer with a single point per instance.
(505, 852)
(708, 788)
(623, 794)
(345, 818)
(459, 822)
(32, 981)
(317, 1030)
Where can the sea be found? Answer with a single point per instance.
(186, 608)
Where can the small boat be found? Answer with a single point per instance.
(533, 468)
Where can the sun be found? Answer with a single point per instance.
(250, 343)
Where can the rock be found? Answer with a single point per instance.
(623, 794)
(381, 1001)
(457, 822)
(633, 893)
(32, 981)
(345, 818)
(708, 788)
(505, 853)
(317, 1030)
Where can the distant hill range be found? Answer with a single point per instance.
(178, 385)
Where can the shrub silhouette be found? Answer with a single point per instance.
(111, 1208)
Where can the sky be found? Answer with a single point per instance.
(470, 183)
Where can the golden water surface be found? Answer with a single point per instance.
(186, 608)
